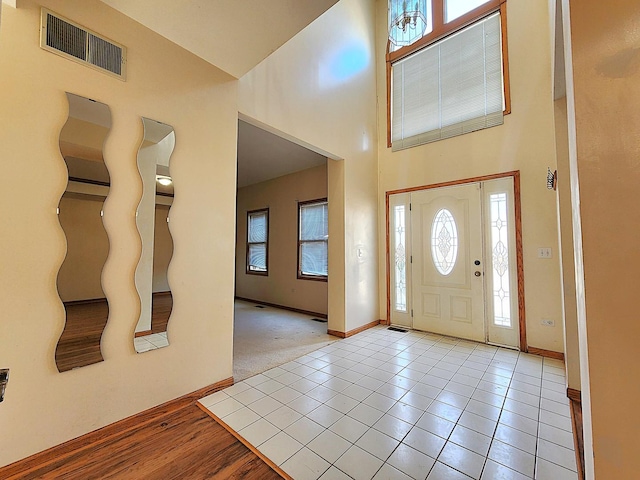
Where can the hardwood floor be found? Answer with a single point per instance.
(182, 444)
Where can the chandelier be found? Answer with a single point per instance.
(408, 23)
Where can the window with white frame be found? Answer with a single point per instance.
(449, 79)
(313, 238)
(258, 242)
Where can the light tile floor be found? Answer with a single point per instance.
(150, 342)
(391, 405)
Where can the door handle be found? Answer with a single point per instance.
(477, 273)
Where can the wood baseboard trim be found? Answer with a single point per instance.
(143, 333)
(546, 353)
(336, 333)
(384, 322)
(104, 434)
(260, 455)
(575, 397)
(284, 307)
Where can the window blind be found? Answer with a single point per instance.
(257, 242)
(314, 234)
(452, 87)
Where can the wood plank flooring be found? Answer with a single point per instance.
(182, 444)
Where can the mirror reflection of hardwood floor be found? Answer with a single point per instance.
(79, 344)
(182, 444)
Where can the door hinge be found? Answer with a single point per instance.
(412, 312)
(409, 207)
(410, 258)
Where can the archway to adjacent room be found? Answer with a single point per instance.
(283, 216)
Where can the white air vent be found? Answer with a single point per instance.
(61, 36)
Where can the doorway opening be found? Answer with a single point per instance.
(454, 260)
(281, 249)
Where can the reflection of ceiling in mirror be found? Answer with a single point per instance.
(155, 131)
(89, 110)
(163, 171)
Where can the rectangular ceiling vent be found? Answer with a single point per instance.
(61, 36)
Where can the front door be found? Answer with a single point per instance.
(453, 261)
(447, 292)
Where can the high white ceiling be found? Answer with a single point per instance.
(233, 35)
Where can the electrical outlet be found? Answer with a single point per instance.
(544, 252)
(547, 322)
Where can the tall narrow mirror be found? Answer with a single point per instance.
(80, 213)
(152, 219)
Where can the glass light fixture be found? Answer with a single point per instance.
(163, 180)
(408, 21)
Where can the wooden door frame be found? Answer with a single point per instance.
(515, 174)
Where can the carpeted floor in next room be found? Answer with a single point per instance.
(264, 338)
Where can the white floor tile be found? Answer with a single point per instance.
(516, 438)
(466, 461)
(387, 472)
(392, 426)
(406, 412)
(342, 403)
(280, 448)
(265, 406)
(556, 435)
(435, 424)
(304, 430)
(259, 432)
(283, 417)
(325, 415)
(366, 414)
(334, 474)
(408, 399)
(440, 471)
(377, 443)
(495, 471)
(305, 465)
(304, 404)
(241, 418)
(546, 470)
(349, 429)
(471, 440)
(426, 442)
(512, 457)
(411, 462)
(555, 453)
(359, 464)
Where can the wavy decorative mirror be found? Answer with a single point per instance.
(79, 280)
(152, 219)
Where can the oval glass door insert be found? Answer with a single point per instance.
(444, 241)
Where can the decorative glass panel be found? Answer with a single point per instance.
(500, 260)
(409, 21)
(456, 8)
(400, 258)
(444, 241)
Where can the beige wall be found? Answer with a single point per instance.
(606, 94)
(43, 407)
(319, 90)
(281, 195)
(525, 142)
